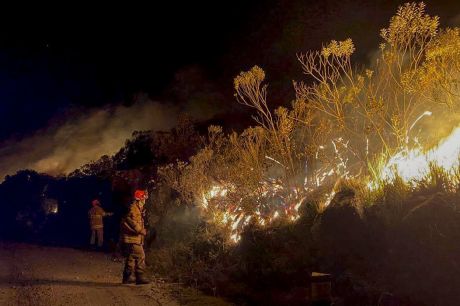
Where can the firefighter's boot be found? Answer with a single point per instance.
(128, 279)
(141, 280)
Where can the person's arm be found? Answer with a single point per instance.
(107, 214)
(134, 225)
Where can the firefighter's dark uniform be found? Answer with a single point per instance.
(95, 215)
(132, 237)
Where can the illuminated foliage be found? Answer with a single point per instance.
(343, 119)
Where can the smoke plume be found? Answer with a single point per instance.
(83, 137)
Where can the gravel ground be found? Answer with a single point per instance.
(36, 275)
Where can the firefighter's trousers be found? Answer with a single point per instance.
(135, 259)
(99, 233)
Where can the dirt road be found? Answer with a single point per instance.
(35, 275)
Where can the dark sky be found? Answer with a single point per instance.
(55, 57)
(52, 59)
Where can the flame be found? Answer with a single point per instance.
(284, 201)
(413, 165)
(287, 199)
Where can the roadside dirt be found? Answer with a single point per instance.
(36, 275)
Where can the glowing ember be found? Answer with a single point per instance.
(235, 237)
(329, 198)
(276, 200)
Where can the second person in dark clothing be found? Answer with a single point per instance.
(96, 215)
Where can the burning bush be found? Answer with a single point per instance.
(339, 126)
(370, 129)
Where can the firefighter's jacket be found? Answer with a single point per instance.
(132, 226)
(95, 215)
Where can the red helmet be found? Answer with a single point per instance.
(95, 202)
(140, 195)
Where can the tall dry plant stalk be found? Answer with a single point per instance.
(342, 115)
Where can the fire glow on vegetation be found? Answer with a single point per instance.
(288, 200)
(338, 125)
(411, 165)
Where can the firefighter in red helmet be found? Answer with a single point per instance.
(132, 235)
(96, 215)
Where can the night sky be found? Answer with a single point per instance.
(58, 63)
(90, 56)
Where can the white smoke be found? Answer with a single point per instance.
(83, 138)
